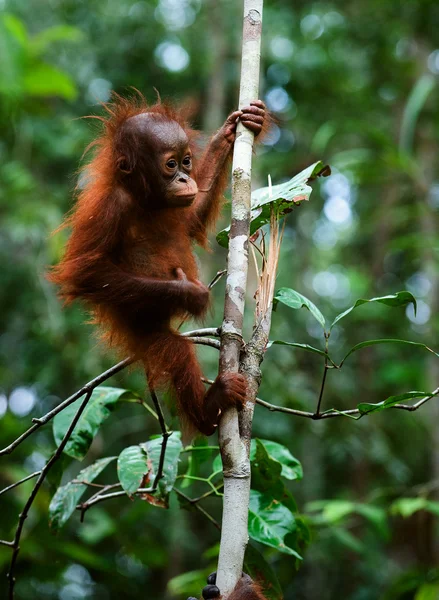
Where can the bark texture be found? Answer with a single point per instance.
(234, 451)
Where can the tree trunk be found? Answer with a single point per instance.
(234, 452)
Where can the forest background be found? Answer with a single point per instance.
(353, 84)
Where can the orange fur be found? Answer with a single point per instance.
(129, 247)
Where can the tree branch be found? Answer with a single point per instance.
(23, 515)
(353, 412)
(194, 502)
(17, 483)
(88, 387)
(236, 464)
(196, 334)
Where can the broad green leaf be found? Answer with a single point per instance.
(428, 591)
(375, 515)
(306, 347)
(266, 476)
(291, 467)
(258, 568)
(386, 341)
(132, 467)
(398, 299)
(266, 471)
(336, 510)
(44, 80)
(269, 522)
(332, 512)
(67, 497)
(432, 507)
(406, 507)
(170, 467)
(186, 583)
(365, 408)
(283, 198)
(295, 300)
(98, 409)
(347, 539)
(16, 27)
(58, 33)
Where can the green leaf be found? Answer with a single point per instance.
(418, 96)
(98, 409)
(131, 468)
(266, 476)
(184, 584)
(200, 453)
(347, 539)
(398, 299)
(44, 80)
(58, 33)
(295, 300)
(259, 570)
(428, 591)
(306, 347)
(217, 464)
(15, 27)
(291, 467)
(365, 408)
(432, 507)
(282, 198)
(336, 510)
(170, 467)
(269, 522)
(67, 497)
(375, 515)
(406, 507)
(386, 341)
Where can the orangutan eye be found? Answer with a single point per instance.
(172, 164)
(187, 162)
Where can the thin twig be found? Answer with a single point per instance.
(101, 486)
(204, 341)
(198, 507)
(39, 422)
(165, 434)
(353, 412)
(325, 372)
(100, 497)
(206, 331)
(10, 487)
(84, 506)
(215, 491)
(322, 387)
(217, 278)
(23, 515)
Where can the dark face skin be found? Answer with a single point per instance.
(163, 151)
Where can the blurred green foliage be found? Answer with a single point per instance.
(352, 84)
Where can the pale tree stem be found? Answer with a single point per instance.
(236, 465)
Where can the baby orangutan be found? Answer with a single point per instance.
(129, 258)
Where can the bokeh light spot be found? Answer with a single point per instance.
(172, 56)
(422, 314)
(21, 401)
